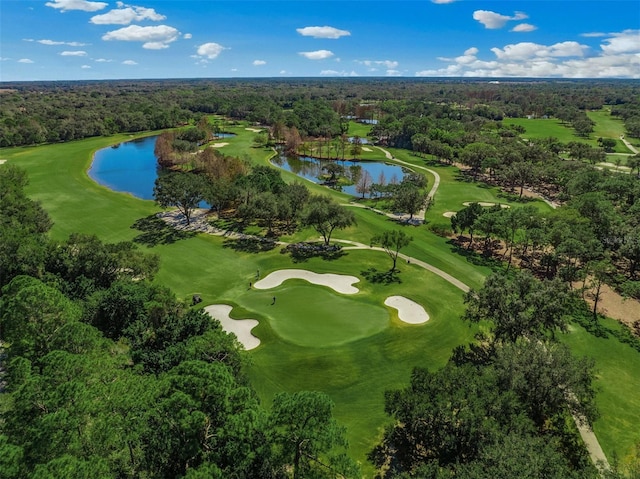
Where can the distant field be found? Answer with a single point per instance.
(539, 128)
(606, 126)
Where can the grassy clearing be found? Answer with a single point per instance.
(545, 128)
(606, 126)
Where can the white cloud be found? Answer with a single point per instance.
(389, 64)
(618, 57)
(627, 41)
(283, 72)
(85, 67)
(4, 59)
(322, 32)
(524, 27)
(335, 73)
(317, 55)
(78, 53)
(124, 16)
(443, 1)
(154, 38)
(187, 36)
(102, 60)
(129, 62)
(493, 20)
(53, 42)
(259, 62)
(84, 5)
(593, 34)
(25, 60)
(210, 50)
(527, 50)
(393, 73)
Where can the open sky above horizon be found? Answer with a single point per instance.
(95, 40)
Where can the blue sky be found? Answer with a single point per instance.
(82, 39)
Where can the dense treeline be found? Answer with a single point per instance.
(106, 374)
(60, 111)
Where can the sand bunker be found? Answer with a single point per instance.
(255, 130)
(408, 311)
(338, 282)
(482, 203)
(218, 145)
(2, 161)
(364, 148)
(240, 327)
(449, 214)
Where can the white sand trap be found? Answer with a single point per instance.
(408, 311)
(483, 203)
(340, 283)
(218, 145)
(240, 327)
(255, 130)
(364, 148)
(2, 161)
(449, 214)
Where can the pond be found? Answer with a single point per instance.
(129, 167)
(313, 169)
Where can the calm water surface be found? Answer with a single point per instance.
(129, 167)
(312, 169)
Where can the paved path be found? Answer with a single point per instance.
(434, 188)
(200, 224)
(628, 145)
(446, 276)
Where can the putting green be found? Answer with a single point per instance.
(312, 316)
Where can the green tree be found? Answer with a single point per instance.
(308, 438)
(325, 216)
(465, 219)
(392, 242)
(519, 305)
(409, 198)
(32, 314)
(182, 190)
(547, 379)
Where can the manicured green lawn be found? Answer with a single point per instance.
(545, 128)
(306, 314)
(606, 126)
(618, 389)
(354, 371)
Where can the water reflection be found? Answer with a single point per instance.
(320, 171)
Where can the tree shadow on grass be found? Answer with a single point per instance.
(381, 277)
(230, 224)
(301, 252)
(155, 231)
(250, 245)
(475, 258)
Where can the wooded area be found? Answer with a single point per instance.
(110, 375)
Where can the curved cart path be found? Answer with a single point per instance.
(432, 191)
(199, 223)
(628, 145)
